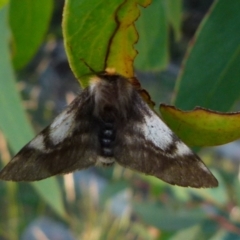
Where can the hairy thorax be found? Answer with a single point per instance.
(112, 98)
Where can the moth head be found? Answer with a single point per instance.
(109, 79)
(110, 89)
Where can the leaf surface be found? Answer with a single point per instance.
(152, 46)
(202, 127)
(13, 120)
(210, 73)
(168, 219)
(29, 21)
(101, 35)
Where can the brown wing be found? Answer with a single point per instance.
(68, 144)
(147, 145)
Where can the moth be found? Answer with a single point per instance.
(109, 123)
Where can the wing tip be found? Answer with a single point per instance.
(208, 181)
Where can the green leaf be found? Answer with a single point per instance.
(202, 127)
(112, 189)
(210, 74)
(152, 27)
(100, 35)
(141, 231)
(29, 21)
(206, 230)
(237, 190)
(221, 234)
(168, 219)
(191, 233)
(157, 187)
(13, 121)
(3, 3)
(180, 194)
(84, 42)
(50, 191)
(174, 14)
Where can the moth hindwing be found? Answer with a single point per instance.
(109, 122)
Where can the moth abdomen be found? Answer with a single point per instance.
(108, 134)
(107, 137)
(107, 152)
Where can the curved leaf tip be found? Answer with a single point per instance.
(202, 127)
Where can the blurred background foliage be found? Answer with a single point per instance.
(188, 56)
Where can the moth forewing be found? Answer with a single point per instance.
(66, 145)
(152, 148)
(108, 122)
